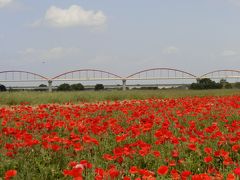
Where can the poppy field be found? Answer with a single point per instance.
(174, 138)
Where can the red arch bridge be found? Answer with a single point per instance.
(100, 75)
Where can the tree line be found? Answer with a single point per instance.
(205, 83)
(62, 87)
(77, 87)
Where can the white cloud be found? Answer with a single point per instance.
(50, 54)
(73, 16)
(170, 50)
(229, 52)
(4, 3)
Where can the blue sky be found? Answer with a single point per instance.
(53, 36)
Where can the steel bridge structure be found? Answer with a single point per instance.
(100, 75)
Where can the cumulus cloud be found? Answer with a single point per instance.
(4, 3)
(229, 52)
(49, 54)
(73, 16)
(170, 50)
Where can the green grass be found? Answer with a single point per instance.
(15, 98)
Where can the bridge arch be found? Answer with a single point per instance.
(161, 73)
(86, 75)
(20, 76)
(222, 74)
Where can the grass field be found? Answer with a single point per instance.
(14, 98)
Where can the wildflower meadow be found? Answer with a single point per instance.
(174, 138)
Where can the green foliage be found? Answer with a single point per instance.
(73, 87)
(225, 84)
(149, 88)
(228, 85)
(64, 87)
(2, 88)
(223, 81)
(42, 87)
(206, 83)
(237, 85)
(99, 87)
(77, 87)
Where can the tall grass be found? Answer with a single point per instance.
(14, 98)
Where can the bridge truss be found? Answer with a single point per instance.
(21, 76)
(86, 75)
(222, 74)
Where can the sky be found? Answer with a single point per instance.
(50, 37)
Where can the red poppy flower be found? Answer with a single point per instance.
(235, 147)
(133, 170)
(192, 147)
(208, 159)
(113, 172)
(230, 177)
(175, 153)
(156, 153)
(208, 150)
(162, 170)
(10, 173)
(174, 174)
(237, 171)
(185, 174)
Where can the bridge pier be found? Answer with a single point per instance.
(124, 84)
(49, 86)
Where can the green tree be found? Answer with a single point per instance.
(205, 83)
(41, 87)
(99, 87)
(2, 88)
(228, 85)
(77, 87)
(237, 85)
(64, 87)
(225, 84)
